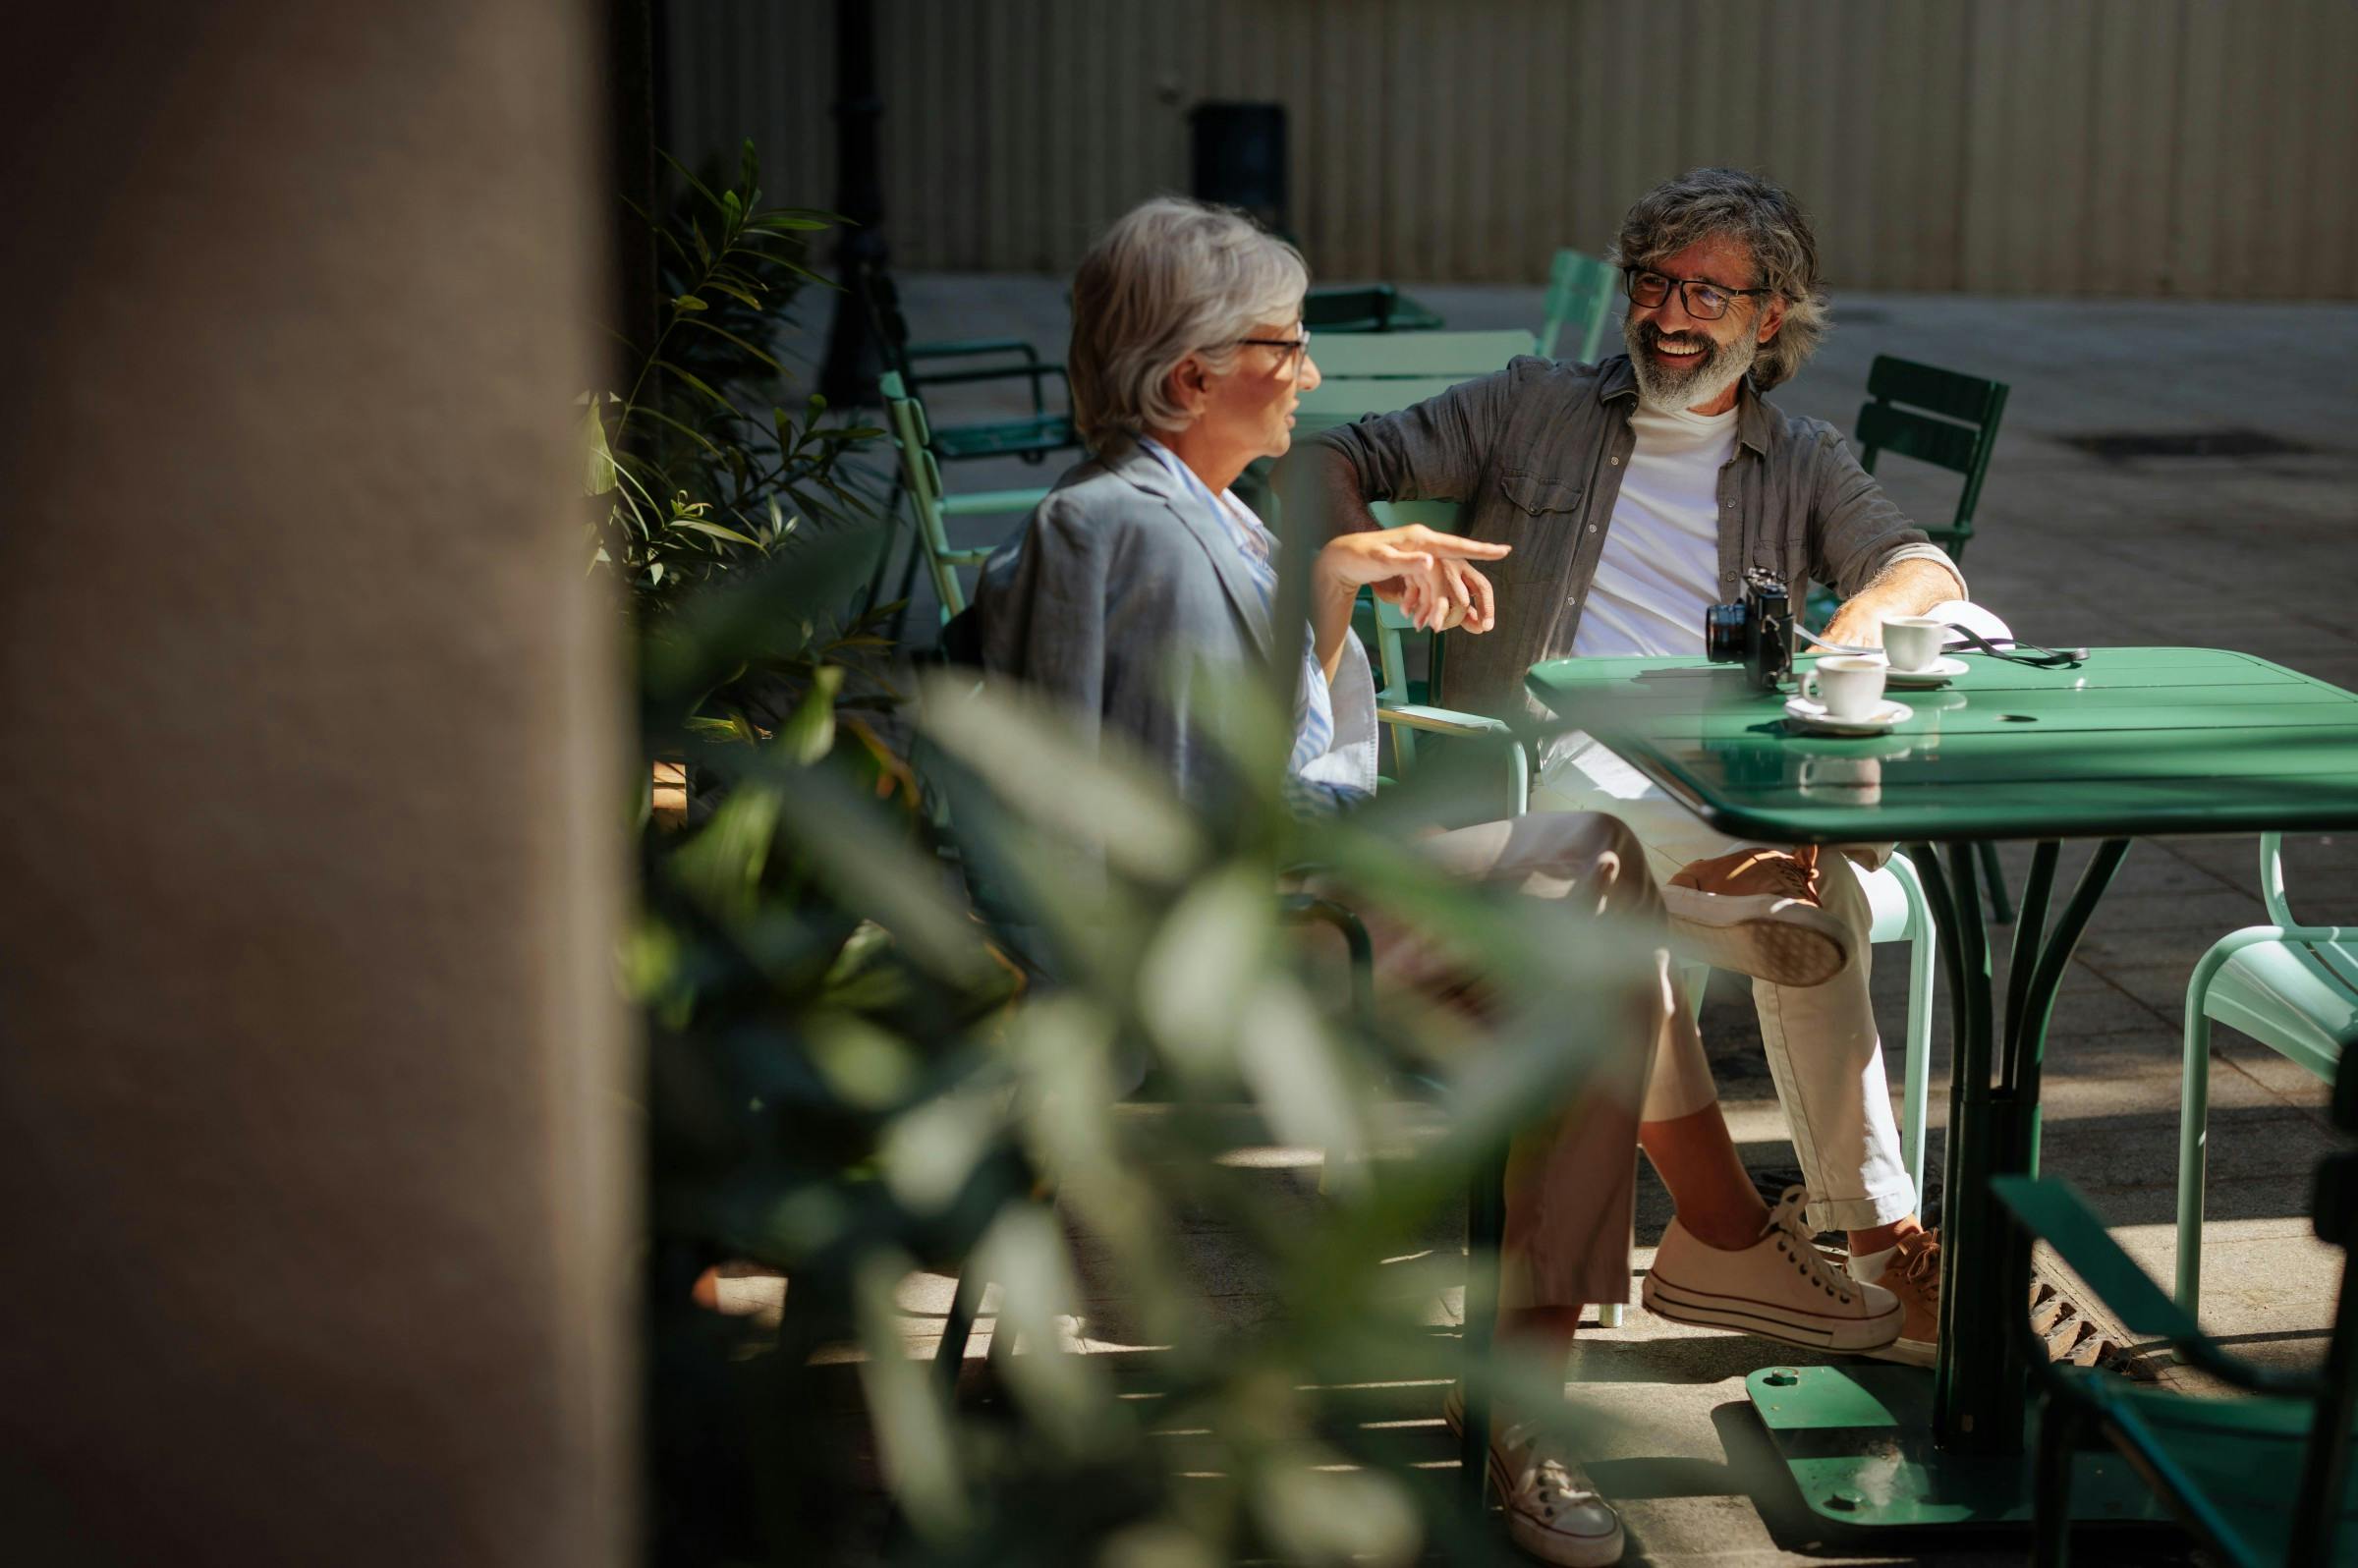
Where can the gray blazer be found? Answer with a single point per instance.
(1112, 598)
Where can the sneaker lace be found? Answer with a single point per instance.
(1920, 1266)
(1546, 1480)
(1797, 879)
(1794, 1240)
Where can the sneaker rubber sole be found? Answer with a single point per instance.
(1712, 1310)
(1781, 940)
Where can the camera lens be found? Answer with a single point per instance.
(1723, 632)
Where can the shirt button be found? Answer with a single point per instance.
(1591, 528)
(1616, 462)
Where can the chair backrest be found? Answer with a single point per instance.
(2272, 879)
(1415, 356)
(921, 481)
(1581, 291)
(1390, 626)
(1347, 398)
(1367, 309)
(1943, 418)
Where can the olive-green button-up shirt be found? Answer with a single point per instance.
(1537, 452)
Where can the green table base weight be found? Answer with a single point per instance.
(1856, 1441)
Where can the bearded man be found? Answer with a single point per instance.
(1635, 493)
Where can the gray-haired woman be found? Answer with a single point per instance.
(1187, 358)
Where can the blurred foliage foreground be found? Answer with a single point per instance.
(850, 1077)
(851, 1081)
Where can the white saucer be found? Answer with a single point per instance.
(1939, 672)
(1811, 716)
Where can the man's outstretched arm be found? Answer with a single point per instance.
(1907, 587)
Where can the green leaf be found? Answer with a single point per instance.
(598, 475)
(689, 302)
(811, 733)
(689, 175)
(687, 430)
(915, 1444)
(688, 378)
(722, 332)
(784, 222)
(733, 292)
(715, 529)
(1027, 752)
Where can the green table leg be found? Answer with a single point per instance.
(1884, 1446)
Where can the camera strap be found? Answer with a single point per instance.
(1997, 648)
(2041, 658)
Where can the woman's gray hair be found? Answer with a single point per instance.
(1767, 220)
(1170, 278)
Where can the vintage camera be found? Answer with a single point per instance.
(1756, 630)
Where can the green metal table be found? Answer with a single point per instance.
(2136, 741)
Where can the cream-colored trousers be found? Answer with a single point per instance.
(1824, 1052)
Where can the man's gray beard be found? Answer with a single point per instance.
(1720, 367)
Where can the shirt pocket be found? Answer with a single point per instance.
(1541, 513)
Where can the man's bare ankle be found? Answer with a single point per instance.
(1882, 1238)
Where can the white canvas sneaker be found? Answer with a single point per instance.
(1781, 1287)
(1552, 1511)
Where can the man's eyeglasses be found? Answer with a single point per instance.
(1295, 348)
(1705, 300)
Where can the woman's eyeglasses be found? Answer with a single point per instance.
(1295, 348)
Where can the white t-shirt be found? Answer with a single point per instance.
(1660, 565)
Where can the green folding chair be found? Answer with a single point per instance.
(929, 508)
(2263, 1479)
(1366, 307)
(1417, 356)
(1032, 437)
(1581, 291)
(2293, 989)
(1400, 707)
(1943, 418)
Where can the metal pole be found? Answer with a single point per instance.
(849, 377)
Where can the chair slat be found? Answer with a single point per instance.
(1887, 428)
(1410, 355)
(1580, 295)
(1927, 386)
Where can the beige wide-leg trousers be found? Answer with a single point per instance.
(1571, 1178)
(1824, 1052)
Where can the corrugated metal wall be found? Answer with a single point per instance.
(2067, 146)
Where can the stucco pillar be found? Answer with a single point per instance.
(312, 1149)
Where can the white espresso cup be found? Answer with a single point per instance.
(1847, 688)
(1913, 642)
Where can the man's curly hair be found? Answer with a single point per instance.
(1703, 202)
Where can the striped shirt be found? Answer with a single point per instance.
(1332, 765)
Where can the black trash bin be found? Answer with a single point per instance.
(1239, 159)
